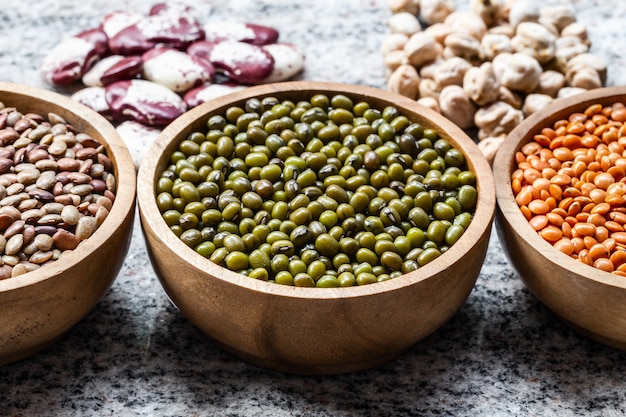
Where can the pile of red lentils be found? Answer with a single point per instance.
(570, 184)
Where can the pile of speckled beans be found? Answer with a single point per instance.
(56, 188)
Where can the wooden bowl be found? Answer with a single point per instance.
(39, 307)
(590, 300)
(313, 330)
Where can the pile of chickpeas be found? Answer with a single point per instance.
(570, 185)
(324, 192)
(487, 65)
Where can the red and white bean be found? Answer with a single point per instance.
(168, 23)
(146, 102)
(175, 69)
(68, 61)
(240, 31)
(113, 68)
(95, 99)
(240, 61)
(288, 61)
(202, 94)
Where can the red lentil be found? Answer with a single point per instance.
(570, 184)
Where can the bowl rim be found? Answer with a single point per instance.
(504, 162)
(479, 226)
(125, 176)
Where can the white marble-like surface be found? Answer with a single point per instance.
(502, 354)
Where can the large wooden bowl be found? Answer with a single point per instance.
(590, 300)
(39, 307)
(313, 330)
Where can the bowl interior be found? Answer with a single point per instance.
(588, 299)
(195, 120)
(39, 307)
(29, 99)
(314, 330)
(504, 165)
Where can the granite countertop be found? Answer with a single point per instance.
(502, 354)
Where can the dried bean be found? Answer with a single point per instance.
(10, 260)
(15, 188)
(5, 272)
(104, 202)
(57, 148)
(49, 219)
(68, 164)
(43, 242)
(101, 214)
(110, 182)
(39, 195)
(29, 249)
(70, 215)
(52, 208)
(46, 180)
(40, 257)
(85, 227)
(81, 190)
(22, 268)
(32, 215)
(14, 244)
(98, 185)
(85, 166)
(78, 178)
(65, 240)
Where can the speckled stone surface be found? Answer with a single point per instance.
(502, 354)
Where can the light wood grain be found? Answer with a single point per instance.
(311, 330)
(590, 300)
(38, 308)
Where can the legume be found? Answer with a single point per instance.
(323, 192)
(570, 184)
(56, 188)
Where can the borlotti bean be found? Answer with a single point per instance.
(56, 187)
(173, 49)
(511, 58)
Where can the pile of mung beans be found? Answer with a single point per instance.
(570, 184)
(56, 188)
(324, 192)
